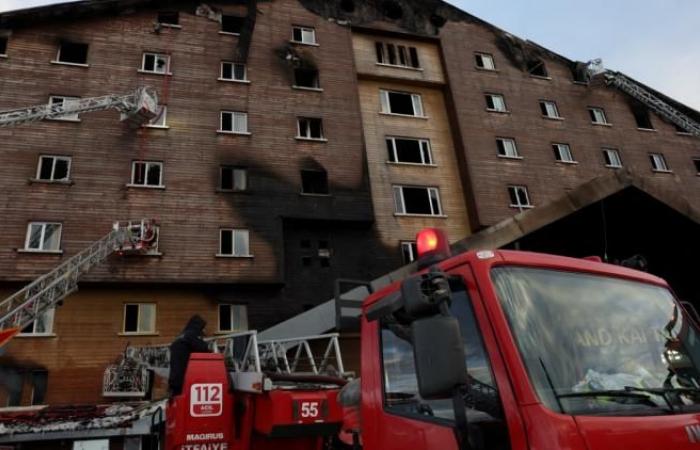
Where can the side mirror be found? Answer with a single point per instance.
(438, 351)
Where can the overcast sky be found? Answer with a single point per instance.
(654, 41)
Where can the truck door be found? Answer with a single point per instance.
(407, 421)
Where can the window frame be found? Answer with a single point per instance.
(315, 194)
(162, 114)
(550, 106)
(233, 72)
(425, 148)
(233, 307)
(148, 164)
(233, 170)
(6, 40)
(234, 114)
(245, 232)
(696, 163)
(307, 136)
(490, 96)
(479, 56)
(54, 158)
(156, 55)
(302, 30)
(41, 249)
(51, 313)
(596, 113)
(160, 14)
(561, 148)
(412, 248)
(505, 155)
(317, 87)
(68, 63)
(659, 157)
(515, 188)
(407, 53)
(138, 332)
(433, 193)
(68, 117)
(607, 151)
(230, 33)
(416, 104)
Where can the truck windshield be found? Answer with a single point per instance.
(600, 345)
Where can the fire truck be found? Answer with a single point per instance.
(482, 350)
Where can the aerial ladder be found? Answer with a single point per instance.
(46, 292)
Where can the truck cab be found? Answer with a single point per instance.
(560, 353)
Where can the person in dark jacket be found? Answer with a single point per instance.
(189, 341)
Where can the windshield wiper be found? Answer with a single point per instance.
(622, 394)
(663, 392)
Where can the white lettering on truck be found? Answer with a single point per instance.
(215, 446)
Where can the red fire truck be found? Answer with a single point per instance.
(484, 350)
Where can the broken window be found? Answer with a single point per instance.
(537, 68)
(139, 318)
(43, 237)
(485, 61)
(309, 128)
(658, 162)
(307, 78)
(314, 182)
(42, 325)
(397, 55)
(409, 251)
(39, 381)
(519, 197)
(3, 45)
(402, 103)
(155, 63)
(53, 168)
(562, 153)
(232, 24)
(507, 148)
(233, 178)
(696, 162)
(72, 53)
(496, 103)
(598, 116)
(612, 158)
(160, 120)
(231, 71)
(324, 253)
(417, 200)
(169, 18)
(64, 102)
(234, 122)
(304, 35)
(642, 117)
(234, 242)
(407, 150)
(233, 318)
(549, 109)
(147, 173)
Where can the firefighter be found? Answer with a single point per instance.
(189, 341)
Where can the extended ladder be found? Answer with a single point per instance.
(44, 293)
(654, 103)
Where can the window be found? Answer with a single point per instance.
(147, 173)
(658, 163)
(233, 179)
(43, 324)
(139, 318)
(397, 55)
(324, 253)
(169, 18)
(234, 122)
(598, 116)
(507, 148)
(39, 380)
(160, 120)
(53, 168)
(401, 103)
(519, 197)
(680, 129)
(43, 237)
(485, 61)
(307, 78)
(231, 71)
(696, 162)
(309, 128)
(612, 158)
(409, 151)
(3, 45)
(233, 318)
(482, 397)
(642, 117)
(72, 53)
(417, 200)
(92, 444)
(549, 109)
(64, 101)
(314, 182)
(232, 24)
(409, 251)
(234, 242)
(562, 153)
(304, 35)
(537, 68)
(155, 63)
(496, 103)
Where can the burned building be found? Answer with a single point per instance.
(298, 142)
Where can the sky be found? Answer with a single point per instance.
(654, 41)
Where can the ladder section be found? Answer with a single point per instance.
(654, 103)
(44, 293)
(311, 355)
(138, 108)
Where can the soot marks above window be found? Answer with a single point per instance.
(392, 10)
